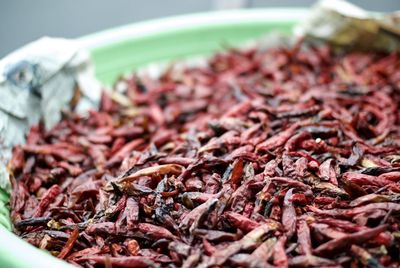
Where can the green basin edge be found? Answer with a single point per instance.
(130, 47)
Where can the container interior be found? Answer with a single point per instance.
(124, 49)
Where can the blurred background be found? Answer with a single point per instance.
(23, 21)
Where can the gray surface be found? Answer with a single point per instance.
(22, 21)
(380, 5)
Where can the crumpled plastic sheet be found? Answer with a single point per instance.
(37, 82)
(349, 27)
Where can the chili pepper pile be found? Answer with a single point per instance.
(264, 157)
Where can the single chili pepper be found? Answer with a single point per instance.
(249, 240)
(370, 198)
(132, 213)
(237, 171)
(311, 261)
(291, 183)
(358, 210)
(124, 151)
(292, 143)
(85, 252)
(280, 257)
(392, 176)
(48, 197)
(32, 221)
(101, 228)
(155, 231)
(118, 206)
(278, 140)
(265, 250)
(70, 243)
(289, 214)
(192, 218)
(327, 171)
(212, 235)
(383, 238)
(348, 240)
(192, 260)
(304, 237)
(153, 171)
(241, 222)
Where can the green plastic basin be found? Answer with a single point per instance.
(124, 49)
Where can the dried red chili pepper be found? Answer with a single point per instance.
(283, 156)
(69, 245)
